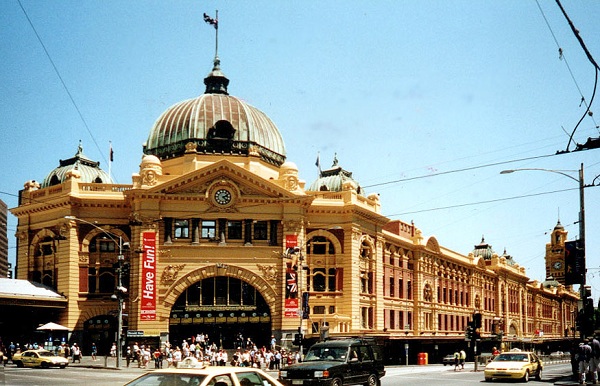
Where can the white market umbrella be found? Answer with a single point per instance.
(52, 327)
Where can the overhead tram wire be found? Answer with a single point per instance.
(62, 82)
(481, 202)
(457, 170)
(596, 68)
(563, 57)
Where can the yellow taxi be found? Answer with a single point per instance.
(514, 365)
(39, 358)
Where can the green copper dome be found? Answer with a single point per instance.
(88, 170)
(217, 123)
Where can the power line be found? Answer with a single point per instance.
(457, 170)
(481, 202)
(62, 81)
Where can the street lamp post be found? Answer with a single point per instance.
(581, 183)
(120, 289)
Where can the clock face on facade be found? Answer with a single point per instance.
(222, 196)
(557, 265)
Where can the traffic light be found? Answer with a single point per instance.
(477, 320)
(305, 305)
(469, 332)
(297, 340)
(574, 262)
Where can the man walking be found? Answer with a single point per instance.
(584, 353)
(595, 359)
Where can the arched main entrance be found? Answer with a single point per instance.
(227, 309)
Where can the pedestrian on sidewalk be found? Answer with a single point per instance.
(595, 359)
(456, 360)
(584, 353)
(76, 352)
(94, 351)
(463, 357)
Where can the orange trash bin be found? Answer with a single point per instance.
(422, 358)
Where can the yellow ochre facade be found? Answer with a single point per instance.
(219, 235)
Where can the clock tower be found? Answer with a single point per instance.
(555, 254)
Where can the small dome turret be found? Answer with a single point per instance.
(78, 166)
(335, 179)
(483, 250)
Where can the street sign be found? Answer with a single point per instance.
(135, 333)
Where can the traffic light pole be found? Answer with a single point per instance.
(580, 180)
(582, 294)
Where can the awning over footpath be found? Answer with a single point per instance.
(17, 292)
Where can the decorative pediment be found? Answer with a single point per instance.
(242, 181)
(433, 245)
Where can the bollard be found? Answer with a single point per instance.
(106, 361)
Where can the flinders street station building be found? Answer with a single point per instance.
(218, 234)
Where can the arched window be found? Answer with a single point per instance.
(43, 268)
(103, 253)
(323, 275)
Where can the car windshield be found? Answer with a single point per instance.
(511, 358)
(327, 354)
(46, 353)
(168, 380)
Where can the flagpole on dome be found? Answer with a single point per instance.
(110, 159)
(215, 23)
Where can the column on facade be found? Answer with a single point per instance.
(378, 275)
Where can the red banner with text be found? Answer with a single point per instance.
(148, 295)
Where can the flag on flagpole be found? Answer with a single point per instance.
(111, 153)
(211, 21)
(318, 163)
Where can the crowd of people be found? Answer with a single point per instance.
(247, 354)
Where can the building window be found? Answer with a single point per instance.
(409, 290)
(101, 272)
(260, 230)
(320, 245)
(234, 230)
(181, 229)
(209, 229)
(322, 274)
(401, 288)
(43, 270)
(319, 310)
(392, 289)
(332, 309)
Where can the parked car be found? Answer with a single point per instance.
(205, 376)
(39, 358)
(514, 365)
(336, 363)
(448, 360)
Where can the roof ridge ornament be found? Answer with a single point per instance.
(216, 82)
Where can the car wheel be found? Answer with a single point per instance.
(372, 380)
(538, 375)
(63, 366)
(526, 376)
(44, 365)
(487, 379)
(336, 382)
(19, 363)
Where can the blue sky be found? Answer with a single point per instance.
(398, 89)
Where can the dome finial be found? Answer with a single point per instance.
(216, 82)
